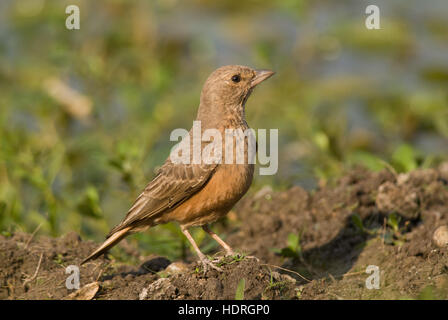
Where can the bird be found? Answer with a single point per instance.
(197, 194)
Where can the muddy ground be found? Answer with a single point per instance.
(298, 245)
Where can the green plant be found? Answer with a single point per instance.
(404, 158)
(394, 221)
(231, 259)
(394, 235)
(272, 285)
(357, 221)
(59, 259)
(293, 248)
(90, 203)
(239, 294)
(391, 235)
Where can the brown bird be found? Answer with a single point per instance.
(197, 194)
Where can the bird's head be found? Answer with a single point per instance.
(228, 88)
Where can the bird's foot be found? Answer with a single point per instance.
(231, 253)
(210, 264)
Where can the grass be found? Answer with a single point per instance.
(239, 294)
(272, 285)
(391, 232)
(231, 259)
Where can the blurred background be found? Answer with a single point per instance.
(85, 115)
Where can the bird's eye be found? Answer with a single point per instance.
(236, 78)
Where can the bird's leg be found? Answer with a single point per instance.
(204, 260)
(229, 251)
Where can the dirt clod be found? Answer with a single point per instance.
(440, 236)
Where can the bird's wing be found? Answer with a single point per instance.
(173, 184)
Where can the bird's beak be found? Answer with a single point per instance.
(260, 76)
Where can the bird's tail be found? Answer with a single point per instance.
(112, 240)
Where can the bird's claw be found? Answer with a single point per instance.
(208, 265)
(231, 254)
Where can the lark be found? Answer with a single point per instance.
(197, 194)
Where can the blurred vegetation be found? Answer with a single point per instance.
(85, 115)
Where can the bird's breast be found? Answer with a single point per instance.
(229, 182)
(227, 185)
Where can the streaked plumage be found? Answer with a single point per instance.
(197, 194)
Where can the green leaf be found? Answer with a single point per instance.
(89, 205)
(427, 293)
(367, 160)
(293, 241)
(239, 294)
(321, 140)
(393, 221)
(357, 221)
(405, 158)
(293, 249)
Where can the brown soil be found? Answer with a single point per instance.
(343, 228)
